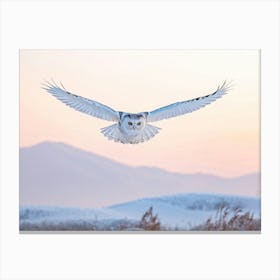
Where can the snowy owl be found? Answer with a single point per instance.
(130, 128)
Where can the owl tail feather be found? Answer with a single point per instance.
(149, 132)
(112, 132)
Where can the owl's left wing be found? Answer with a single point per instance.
(188, 106)
(82, 104)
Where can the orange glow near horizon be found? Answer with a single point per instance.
(222, 139)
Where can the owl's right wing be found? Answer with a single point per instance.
(188, 106)
(82, 104)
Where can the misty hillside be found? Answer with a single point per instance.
(181, 211)
(186, 209)
(59, 174)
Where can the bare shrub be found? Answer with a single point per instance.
(149, 221)
(231, 219)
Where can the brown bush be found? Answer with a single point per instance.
(231, 219)
(149, 221)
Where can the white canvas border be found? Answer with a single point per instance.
(140, 25)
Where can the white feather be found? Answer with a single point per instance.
(113, 132)
(188, 106)
(82, 104)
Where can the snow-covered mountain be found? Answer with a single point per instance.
(58, 174)
(181, 211)
(186, 209)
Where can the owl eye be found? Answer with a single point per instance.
(138, 123)
(129, 123)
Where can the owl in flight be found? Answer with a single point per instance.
(130, 128)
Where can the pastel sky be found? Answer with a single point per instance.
(222, 139)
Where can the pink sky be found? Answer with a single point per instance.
(222, 138)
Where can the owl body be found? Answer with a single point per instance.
(129, 128)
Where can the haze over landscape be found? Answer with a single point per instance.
(61, 175)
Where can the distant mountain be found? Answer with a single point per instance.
(62, 175)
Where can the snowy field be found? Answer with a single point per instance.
(174, 212)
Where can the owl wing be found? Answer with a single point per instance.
(81, 104)
(188, 106)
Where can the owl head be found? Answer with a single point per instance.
(133, 122)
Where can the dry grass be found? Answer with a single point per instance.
(74, 225)
(227, 218)
(149, 221)
(231, 219)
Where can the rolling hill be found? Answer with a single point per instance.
(180, 211)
